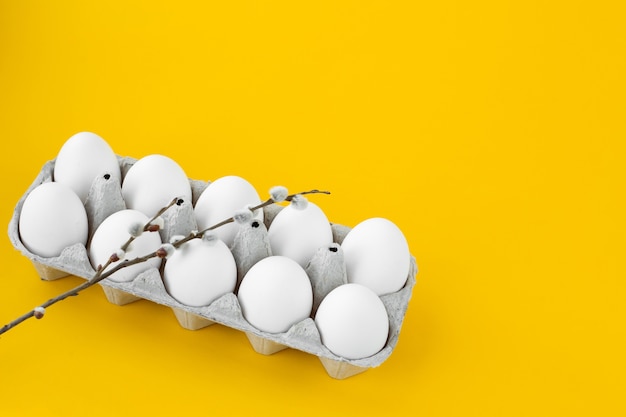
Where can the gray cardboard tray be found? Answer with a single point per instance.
(250, 246)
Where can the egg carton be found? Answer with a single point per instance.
(251, 245)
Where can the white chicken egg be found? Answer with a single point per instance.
(299, 230)
(199, 272)
(377, 255)
(220, 200)
(153, 182)
(275, 294)
(82, 158)
(353, 322)
(112, 233)
(52, 218)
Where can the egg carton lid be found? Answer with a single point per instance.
(303, 336)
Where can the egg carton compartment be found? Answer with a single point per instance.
(247, 249)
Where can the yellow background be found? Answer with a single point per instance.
(491, 132)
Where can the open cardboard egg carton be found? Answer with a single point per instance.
(247, 250)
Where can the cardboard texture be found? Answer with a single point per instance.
(251, 244)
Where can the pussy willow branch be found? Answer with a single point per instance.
(102, 272)
(266, 203)
(99, 276)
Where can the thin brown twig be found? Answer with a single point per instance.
(102, 272)
(98, 276)
(266, 203)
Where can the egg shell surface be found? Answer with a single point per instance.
(153, 182)
(298, 233)
(377, 255)
(275, 294)
(199, 272)
(81, 159)
(52, 218)
(220, 200)
(112, 233)
(353, 322)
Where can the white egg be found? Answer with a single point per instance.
(220, 200)
(112, 233)
(377, 255)
(275, 294)
(82, 158)
(199, 272)
(353, 322)
(51, 219)
(153, 182)
(297, 232)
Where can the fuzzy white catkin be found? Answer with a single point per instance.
(278, 193)
(135, 229)
(169, 250)
(243, 216)
(210, 237)
(299, 202)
